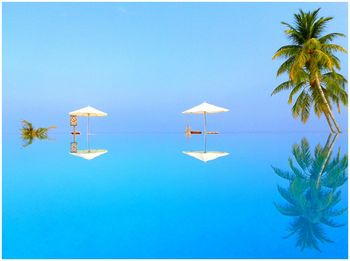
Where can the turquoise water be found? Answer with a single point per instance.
(145, 198)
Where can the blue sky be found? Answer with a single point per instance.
(144, 63)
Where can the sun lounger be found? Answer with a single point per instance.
(212, 132)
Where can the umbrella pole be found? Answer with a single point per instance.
(74, 132)
(88, 123)
(205, 132)
(88, 138)
(87, 132)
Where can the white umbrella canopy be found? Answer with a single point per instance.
(206, 156)
(89, 154)
(88, 111)
(205, 108)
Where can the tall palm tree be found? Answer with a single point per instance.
(311, 65)
(312, 194)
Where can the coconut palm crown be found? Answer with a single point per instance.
(312, 65)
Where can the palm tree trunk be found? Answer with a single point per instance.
(327, 105)
(329, 121)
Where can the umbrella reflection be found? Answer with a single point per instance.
(313, 192)
(205, 155)
(87, 154)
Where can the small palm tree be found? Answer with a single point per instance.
(312, 194)
(311, 65)
(28, 133)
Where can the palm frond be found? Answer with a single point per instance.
(330, 37)
(283, 86)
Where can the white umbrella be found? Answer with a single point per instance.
(205, 108)
(89, 154)
(87, 112)
(206, 155)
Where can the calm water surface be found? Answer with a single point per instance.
(145, 198)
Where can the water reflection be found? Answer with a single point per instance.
(313, 191)
(88, 153)
(205, 155)
(29, 133)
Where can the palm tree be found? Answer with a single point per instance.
(312, 194)
(311, 65)
(28, 133)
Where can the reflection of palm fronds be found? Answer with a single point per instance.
(312, 192)
(336, 172)
(28, 133)
(308, 233)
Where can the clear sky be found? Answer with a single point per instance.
(144, 63)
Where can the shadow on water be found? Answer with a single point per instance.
(315, 178)
(29, 133)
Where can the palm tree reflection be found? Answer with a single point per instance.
(313, 192)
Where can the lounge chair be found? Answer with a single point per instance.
(212, 132)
